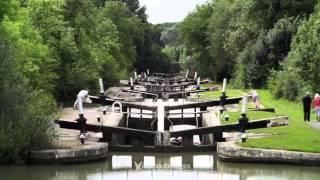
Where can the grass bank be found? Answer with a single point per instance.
(210, 95)
(298, 136)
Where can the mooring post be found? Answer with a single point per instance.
(101, 86)
(223, 96)
(102, 97)
(198, 84)
(135, 75)
(160, 115)
(82, 121)
(131, 84)
(243, 120)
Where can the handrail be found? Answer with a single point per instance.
(142, 92)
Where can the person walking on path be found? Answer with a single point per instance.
(306, 101)
(316, 105)
(256, 99)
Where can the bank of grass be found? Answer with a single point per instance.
(298, 136)
(253, 115)
(216, 94)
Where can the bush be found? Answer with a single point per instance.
(287, 85)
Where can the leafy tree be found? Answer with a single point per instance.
(27, 108)
(129, 29)
(248, 31)
(302, 63)
(195, 37)
(7, 7)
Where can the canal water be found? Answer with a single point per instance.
(160, 167)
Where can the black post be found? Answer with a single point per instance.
(223, 98)
(102, 99)
(243, 120)
(82, 121)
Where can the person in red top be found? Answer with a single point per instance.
(316, 105)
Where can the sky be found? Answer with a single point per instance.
(160, 11)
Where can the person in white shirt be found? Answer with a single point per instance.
(256, 99)
(83, 94)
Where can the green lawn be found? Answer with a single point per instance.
(216, 94)
(298, 136)
(252, 115)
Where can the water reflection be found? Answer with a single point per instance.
(162, 162)
(160, 166)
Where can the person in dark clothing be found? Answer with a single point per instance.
(306, 100)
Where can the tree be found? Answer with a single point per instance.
(248, 31)
(7, 7)
(26, 105)
(194, 34)
(130, 32)
(303, 61)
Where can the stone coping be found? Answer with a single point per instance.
(229, 151)
(90, 151)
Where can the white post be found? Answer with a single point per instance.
(80, 104)
(160, 115)
(131, 81)
(187, 73)
(101, 86)
(135, 75)
(224, 87)
(195, 75)
(148, 72)
(244, 105)
(198, 81)
(145, 75)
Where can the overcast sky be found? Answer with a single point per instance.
(160, 11)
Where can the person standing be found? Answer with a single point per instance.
(316, 105)
(306, 101)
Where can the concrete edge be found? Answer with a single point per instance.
(91, 151)
(228, 151)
